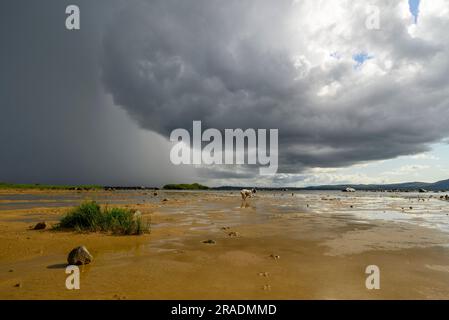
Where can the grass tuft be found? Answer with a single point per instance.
(91, 218)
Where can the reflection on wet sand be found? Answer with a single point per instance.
(306, 245)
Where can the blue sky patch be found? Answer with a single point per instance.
(360, 58)
(414, 9)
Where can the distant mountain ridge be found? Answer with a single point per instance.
(406, 186)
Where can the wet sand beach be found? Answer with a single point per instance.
(309, 245)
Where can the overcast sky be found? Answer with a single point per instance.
(97, 105)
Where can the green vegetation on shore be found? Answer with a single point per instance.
(4, 185)
(193, 186)
(90, 217)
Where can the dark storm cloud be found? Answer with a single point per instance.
(227, 172)
(56, 123)
(229, 64)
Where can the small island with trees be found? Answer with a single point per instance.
(193, 186)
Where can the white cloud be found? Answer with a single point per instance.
(425, 156)
(407, 170)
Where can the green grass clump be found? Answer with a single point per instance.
(90, 217)
(193, 186)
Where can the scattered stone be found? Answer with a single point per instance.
(233, 234)
(264, 274)
(165, 200)
(275, 257)
(155, 194)
(411, 208)
(351, 206)
(267, 287)
(422, 190)
(209, 242)
(79, 256)
(225, 228)
(18, 285)
(11, 270)
(40, 226)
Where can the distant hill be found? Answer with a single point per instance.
(406, 186)
(440, 185)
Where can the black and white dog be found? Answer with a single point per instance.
(247, 193)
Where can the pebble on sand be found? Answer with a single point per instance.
(79, 256)
(40, 226)
(209, 242)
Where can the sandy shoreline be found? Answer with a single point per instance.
(323, 244)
